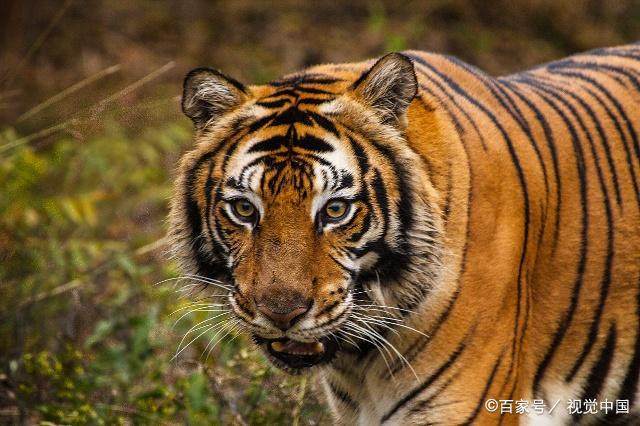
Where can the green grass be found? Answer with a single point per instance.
(85, 335)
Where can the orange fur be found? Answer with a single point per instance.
(528, 185)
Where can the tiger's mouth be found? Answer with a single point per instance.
(295, 356)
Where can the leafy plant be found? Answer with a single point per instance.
(87, 336)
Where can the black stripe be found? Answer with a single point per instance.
(630, 385)
(325, 123)
(615, 52)
(425, 404)
(456, 122)
(624, 55)
(598, 125)
(523, 185)
(311, 143)
(360, 154)
(622, 114)
(548, 133)
(284, 92)
(313, 101)
(426, 383)
(260, 123)
(419, 344)
(304, 78)
(274, 104)
(313, 90)
(380, 192)
(606, 276)
(208, 193)
(601, 368)
(567, 318)
(342, 396)
(453, 101)
(485, 391)
(446, 210)
(599, 67)
(290, 116)
(271, 144)
(366, 223)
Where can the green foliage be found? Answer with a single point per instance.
(85, 335)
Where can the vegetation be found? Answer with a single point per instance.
(90, 338)
(91, 314)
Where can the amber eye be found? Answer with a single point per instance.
(244, 209)
(336, 209)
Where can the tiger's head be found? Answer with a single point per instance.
(304, 198)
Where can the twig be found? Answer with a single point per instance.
(39, 134)
(39, 42)
(9, 94)
(302, 390)
(130, 412)
(130, 88)
(93, 112)
(68, 91)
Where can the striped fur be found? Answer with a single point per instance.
(497, 219)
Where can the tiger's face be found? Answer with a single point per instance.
(289, 209)
(295, 197)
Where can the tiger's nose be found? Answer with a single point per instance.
(283, 318)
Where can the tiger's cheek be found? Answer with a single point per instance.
(243, 275)
(240, 250)
(245, 284)
(331, 279)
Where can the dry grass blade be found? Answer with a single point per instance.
(302, 390)
(93, 111)
(37, 135)
(9, 77)
(68, 91)
(99, 107)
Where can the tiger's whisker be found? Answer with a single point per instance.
(179, 351)
(226, 311)
(371, 341)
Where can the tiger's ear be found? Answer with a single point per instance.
(208, 94)
(388, 86)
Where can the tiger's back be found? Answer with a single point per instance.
(541, 208)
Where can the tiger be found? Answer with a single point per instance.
(424, 239)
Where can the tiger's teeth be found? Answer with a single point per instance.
(278, 346)
(298, 348)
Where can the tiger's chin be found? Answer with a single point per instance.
(297, 357)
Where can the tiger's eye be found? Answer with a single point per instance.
(244, 208)
(336, 209)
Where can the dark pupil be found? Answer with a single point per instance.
(335, 209)
(245, 208)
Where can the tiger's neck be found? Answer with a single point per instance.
(448, 320)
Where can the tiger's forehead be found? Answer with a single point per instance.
(290, 144)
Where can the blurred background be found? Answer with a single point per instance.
(90, 133)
